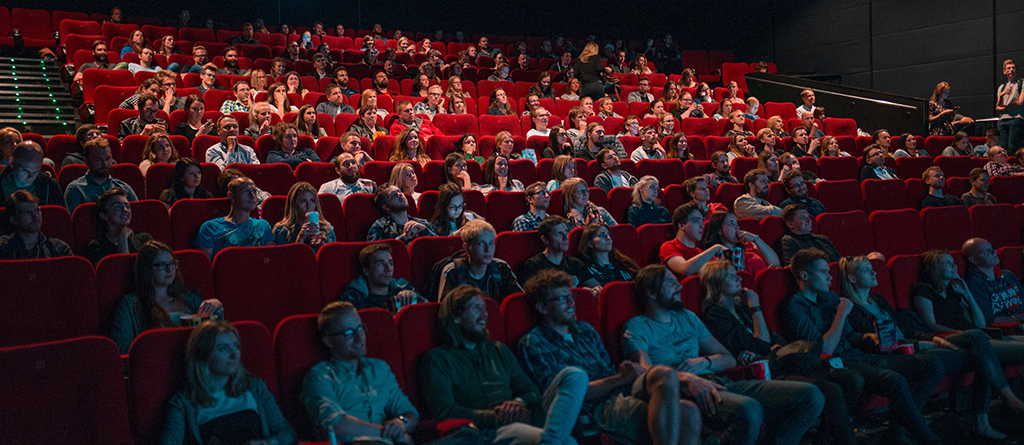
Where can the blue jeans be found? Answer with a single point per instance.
(1011, 134)
(563, 399)
(786, 409)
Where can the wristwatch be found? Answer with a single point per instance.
(404, 420)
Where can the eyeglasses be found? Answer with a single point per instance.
(458, 207)
(348, 334)
(164, 267)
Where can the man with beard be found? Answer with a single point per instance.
(936, 181)
(612, 175)
(99, 60)
(479, 267)
(242, 102)
(335, 103)
(670, 335)
(231, 63)
(643, 93)
(97, 179)
(797, 189)
(237, 228)
(472, 377)
(538, 197)
(228, 150)
(380, 82)
(377, 285)
(618, 64)
(341, 79)
(588, 147)
(146, 123)
(349, 180)
(649, 147)
(292, 53)
(396, 222)
(754, 203)
(626, 401)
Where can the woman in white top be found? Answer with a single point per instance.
(540, 117)
(572, 91)
(277, 97)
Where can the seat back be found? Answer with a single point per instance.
(897, 232)
(83, 376)
(616, 305)
(428, 251)
(998, 224)
(48, 300)
(248, 281)
(889, 194)
(850, 232)
(946, 228)
(188, 215)
(516, 247)
(841, 168)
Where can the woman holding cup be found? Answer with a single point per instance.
(733, 315)
(301, 222)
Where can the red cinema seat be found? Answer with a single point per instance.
(774, 285)
(850, 232)
(703, 127)
(783, 109)
(428, 251)
(516, 247)
(492, 125)
(839, 168)
(772, 229)
(47, 300)
(728, 192)
(86, 375)
(888, 194)
(897, 232)
(616, 305)
(946, 228)
(652, 236)
(157, 369)
(954, 166)
(908, 167)
(34, 25)
(360, 214)
(339, 265)
(83, 27)
(187, 215)
(840, 196)
(148, 216)
(93, 78)
(505, 207)
(1007, 189)
(903, 273)
(998, 224)
(1010, 259)
(839, 127)
(316, 173)
(248, 281)
(56, 224)
(668, 171)
(275, 179)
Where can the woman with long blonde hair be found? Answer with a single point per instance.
(299, 225)
(588, 69)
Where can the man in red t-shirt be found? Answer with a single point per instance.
(682, 254)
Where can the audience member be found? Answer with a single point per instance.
(1009, 98)
(366, 126)
(85, 133)
(646, 206)
(618, 399)
(777, 126)
(406, 119)
(699, 192)
(737, 120)
(405, 178)
(186, 183)
(909, 148)
(238, 228)
(603, 260)
(349, 179)
(807, 97)
(978, 194)
(351, 395)
(26, 173)
(260, 117)
(683, 254)
(874, 165)
(242, 102)
(643, 93)
(543, 88)
(97, 179)
(466, 145)
(559, 143)
(341, 79)
(554, 233)
(572, 90)
(740, 148)
(27, 241)
(997, 291)
(803, 145)
(678, 148)
(539, 116)
(114, 215)
(669, 335)
(612, 175)
(595, 140)
(754, 203)
(504, 405)
(796, 187)
(961, 146)
(649, 147)
(146, 123)
(99, 60)
(286, 140)
(193, 124)
(492, 276)
(229, 150)
(745, 250)
(376, 286)
(808, 123)
(246, 37)
(936, 182)
(158, 150)
(208, 79)
(222, 402)
(496, 176)
(720, 163)
(200, 57)
(815, 313)
(799, 222)
(159, 297)
(991, 141)
(303, 220)
(577, 206)
(434, 104)
(943, 117)
(538, 197)
(335, 103)
(231, 63)
(396, 223)
(997, 164)
(450, 213)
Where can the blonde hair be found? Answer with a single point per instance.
(848, 266)
(568, 188)
(292, 218)
(712, 276)
(472, 229)
(590, 50)
(638, 194)
(200, 347)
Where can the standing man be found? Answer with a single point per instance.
(1009, 98)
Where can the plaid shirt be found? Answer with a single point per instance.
(545, 353)
(386, 228)
(1006, 169)
(714, 180)
(231, 106)
(526, 222)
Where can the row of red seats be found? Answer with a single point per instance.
(87, 368)
(239, 274)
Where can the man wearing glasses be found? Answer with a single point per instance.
(199, 59)
(625, 400)
(687, 107)
(434, 103)
(643, 93)
(479, 267)
(538, 197)
(208, 80)
(351, 395)
(874, 164)
(407, 118)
